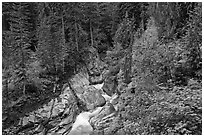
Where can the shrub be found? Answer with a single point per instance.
(169, 111)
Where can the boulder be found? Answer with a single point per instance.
(104, 117)
(79, 89)
(63, 111)
(80, 79)
(92, 98)
(62, 124)
(110, 85)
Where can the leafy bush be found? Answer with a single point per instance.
(169, 111)
(146, 108)
(162, 62)
(193, 42)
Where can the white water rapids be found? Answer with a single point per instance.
(82, 126)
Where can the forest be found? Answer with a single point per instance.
(125, 68)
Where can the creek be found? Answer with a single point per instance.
(60, 116)
(82, 125)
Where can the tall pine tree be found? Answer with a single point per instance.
(19, 31)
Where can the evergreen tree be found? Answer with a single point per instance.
(19, 31)
(170, 18)
(193, 40)
(49, 43)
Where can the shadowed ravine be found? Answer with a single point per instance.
(62, 116)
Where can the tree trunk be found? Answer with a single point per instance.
(91, 33)
(142, 24)
(24, 89)
(64, 48)
(56, 77)
(76, 35)
(128, 61)
(131, 45)
(95, 54)
(22, 65)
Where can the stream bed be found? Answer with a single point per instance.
(61, 115)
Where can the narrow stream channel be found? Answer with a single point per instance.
(82, 125)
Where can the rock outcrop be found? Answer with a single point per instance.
(103, 119)
(92, 98)
(55, 117)
(111, 80)
(88, 94)
(60, 115)
(110, 85)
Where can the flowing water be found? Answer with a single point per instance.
(82, 125)
(68, 123)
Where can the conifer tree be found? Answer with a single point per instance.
(19, 31)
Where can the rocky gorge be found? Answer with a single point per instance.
(62, 115)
